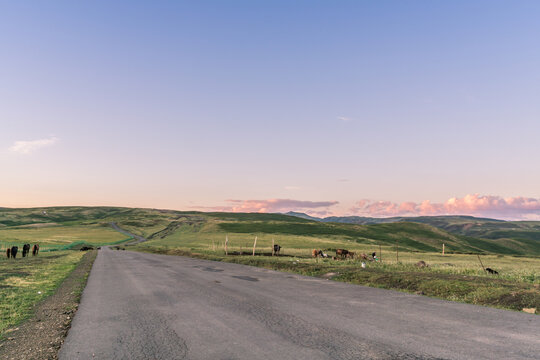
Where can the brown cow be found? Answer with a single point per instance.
(351, 255)
(316, 253)
(342, 253)
(35, 250)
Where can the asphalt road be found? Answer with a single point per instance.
(146, 306)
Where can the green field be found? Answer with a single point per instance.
(24, 282)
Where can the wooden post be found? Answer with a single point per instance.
(272, 246)
(380, 253)
(254, 245)
(397, 251)
(443, 248)
(483, 268)
(226, 243)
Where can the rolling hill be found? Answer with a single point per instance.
(459, 234)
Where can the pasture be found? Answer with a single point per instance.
(58, 237)
(24, 282)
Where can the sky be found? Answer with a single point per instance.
(369, 108)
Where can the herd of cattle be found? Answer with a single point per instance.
(12, 251)
(344, 254)
(340, 254)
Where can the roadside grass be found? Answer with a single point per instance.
(26, 281)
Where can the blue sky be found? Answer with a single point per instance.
(186, 104)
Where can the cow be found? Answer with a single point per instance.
(342, 253)
(25, 250)
(491, 271)
(365, 257)
(351, 255)
(8, 253)
(277, 248)
(35, 250)
(316, 253)
(14, 250)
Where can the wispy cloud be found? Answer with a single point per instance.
(344, 118)
(273, 205)
(512, 208)
(29, 146)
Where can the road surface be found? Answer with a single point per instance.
(147, 306)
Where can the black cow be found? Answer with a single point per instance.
(491, 271)
(25, 250)
(35, 250)
(14, 250)
(8, 252)
(277, 248)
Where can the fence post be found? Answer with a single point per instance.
(254, 245)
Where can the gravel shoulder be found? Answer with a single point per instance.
(41, 336)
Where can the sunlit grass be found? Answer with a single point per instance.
(25, 281)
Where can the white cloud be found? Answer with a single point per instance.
(344, 118)
(29, 146)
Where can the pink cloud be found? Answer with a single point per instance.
(275, 205)
(472, 204)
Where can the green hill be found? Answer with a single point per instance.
(459, 234)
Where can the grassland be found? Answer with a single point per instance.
(24, 282)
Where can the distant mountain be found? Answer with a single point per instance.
(303, 216)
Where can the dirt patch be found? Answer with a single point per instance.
(41, 336)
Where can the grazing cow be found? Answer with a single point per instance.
(342, 253)
(14, 250)
(8, 253)
(351, 255)
(365, 257)
(421, 264)
(25, 250)
(317, 253)
(35, 250)
(491, 271)
(277, 248)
